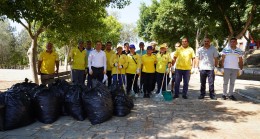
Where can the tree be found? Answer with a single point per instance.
(234, 16)
(129, 34)
(37, 16)
(148, 15)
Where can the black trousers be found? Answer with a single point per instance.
(97, 73)
(148, 82)
(130, 79)
(109, 77)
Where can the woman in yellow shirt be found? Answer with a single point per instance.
(163, 64)
(133, 69)
(148, 69)
(119, 63)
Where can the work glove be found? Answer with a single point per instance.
(222, 70)
(104, 78)
(138, 71)
(196, 70)
(90, 72)
(173, 69)
(215, 70)
(240, 72)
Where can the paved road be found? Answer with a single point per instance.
(151, 119)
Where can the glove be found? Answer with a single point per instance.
(120, 67)
(173, 69)
(240, 72)
(215, 70)
(192, 70)
(138, 71)
(90, 72)
(167, 71)
(104, 78)
(115, 64)
(196, 70)
(222, 70)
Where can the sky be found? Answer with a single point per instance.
(129, 14)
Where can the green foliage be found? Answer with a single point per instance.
(169, 20)
(12, 47)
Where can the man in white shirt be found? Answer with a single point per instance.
(232, 62)
(97, 62)
(206, 61)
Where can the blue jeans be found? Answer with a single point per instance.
(78, 76)
(204, 74)
(121, 77)
(179, 74)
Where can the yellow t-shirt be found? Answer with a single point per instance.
(162, 62)
(108, 56)
(148, 63)
(120, 60)
(132, 66)
(48, 62)
(184, 57)
(78, 59)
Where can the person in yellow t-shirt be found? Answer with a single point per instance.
(109, 52)
(119, 63)
(185, 61)
(46, 64)
(77, 59)
(133, 69)
(162, 67)
(148, 69)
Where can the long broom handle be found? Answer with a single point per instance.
(133, 82)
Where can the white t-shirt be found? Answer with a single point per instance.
(231, 57)
(206, 57)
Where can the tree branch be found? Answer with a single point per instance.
(248, 22)
(231, 31)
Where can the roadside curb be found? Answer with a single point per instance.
(247, 96)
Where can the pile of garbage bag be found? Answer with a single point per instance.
(26, 102)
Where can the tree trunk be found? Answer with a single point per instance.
(66, 57)
(32, 55)
(197, 39)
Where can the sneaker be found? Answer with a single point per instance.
(175, 96)
(232, 98)
(224, 97)
(184, 97)
(213, 97)
(201, 97)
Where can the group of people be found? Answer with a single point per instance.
(126, 65)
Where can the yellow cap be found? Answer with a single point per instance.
(119, 45)
(164, 45)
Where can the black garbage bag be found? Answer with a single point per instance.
(61, 87)
(47, 106)
(25, 86)
(98, 103)
(122, 103)
(73, 102)
(2, 115)
(18, 110)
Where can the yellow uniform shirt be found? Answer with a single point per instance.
(133, 65)
(184, 57)
(48, 62)
(162, 62)
(148, 63)
(78, 59)
(120, 60)
(108, 56)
